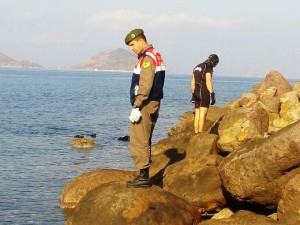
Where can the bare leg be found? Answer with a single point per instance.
(196, 120)
(202, 118)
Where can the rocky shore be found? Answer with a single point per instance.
(245, 169)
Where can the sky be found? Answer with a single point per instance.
(251, 38)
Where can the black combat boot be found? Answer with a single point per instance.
(141, 181)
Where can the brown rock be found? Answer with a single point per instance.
(296, 86)
(289, 205)
(271, 89)
(259, 171)
(202, 144)
(178, 141)
(187, 121)
(247, 100)
(161, 161)
(197, 181)
(288, 101)
(243, 218)
(273, 79)
(76, 189)
(270, 103)
(113, 203)
(242, 126)
(83, 143)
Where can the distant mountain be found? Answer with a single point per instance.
(6, 61)
(110, 60)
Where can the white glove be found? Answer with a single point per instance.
(135, 115)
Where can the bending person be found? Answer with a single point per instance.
(202, 90)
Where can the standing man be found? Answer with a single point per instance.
(146, 91)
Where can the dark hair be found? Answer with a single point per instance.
(213, 60)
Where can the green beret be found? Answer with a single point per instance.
(132, 35)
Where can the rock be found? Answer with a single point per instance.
(161, 161)
(186, 125)
(290, 116)
(290, 219)
(242, 126)
(270, 103)
(83, 143)
(273, 80)
(288, 101)
(296, 86)
(247, 100)
(178, 141)
(243, 217)
(124, 138)
(187, 121)
(113, 203)
(273, 117)
(233, 104)
(289, 204)
(271, 89)
(197, 181)
(258, 172)
(76, 189)
(202, 144)
(224, 213)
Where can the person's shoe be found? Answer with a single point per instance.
(141, 181)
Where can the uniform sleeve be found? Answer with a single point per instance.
(146, 81)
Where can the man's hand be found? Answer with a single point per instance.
(135, 115)
(212, 98)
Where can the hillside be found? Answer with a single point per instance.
(6, 61)
(111, 60)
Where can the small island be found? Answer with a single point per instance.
(6, 61)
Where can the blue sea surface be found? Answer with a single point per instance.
(42, 110)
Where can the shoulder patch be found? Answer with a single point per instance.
(146, 65)
(198, 69)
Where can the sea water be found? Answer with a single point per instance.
(42, 110)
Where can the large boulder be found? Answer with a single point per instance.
(271, 89)
(187, 121)
(177, 141)
(243, 218)
(289, 205)
(197, 181)
(202, 144)
(273, 79)
(185, 124)
(258, 172)
(241, 126)
(76, 189)
(113, 203)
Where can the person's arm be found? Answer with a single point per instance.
(146, 81)
(209, 83)
(192, 84)
(210, 88)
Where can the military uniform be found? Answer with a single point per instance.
(146, 91)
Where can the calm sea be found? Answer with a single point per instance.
(42, 110)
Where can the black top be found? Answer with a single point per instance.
(201, 93)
